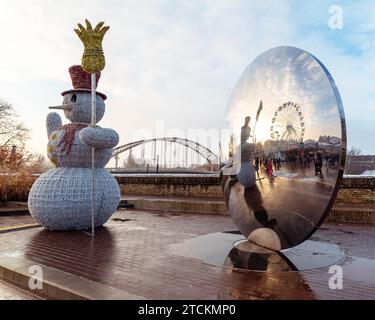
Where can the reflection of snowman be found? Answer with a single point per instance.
(60, 199)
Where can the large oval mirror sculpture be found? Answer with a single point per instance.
(287, 118)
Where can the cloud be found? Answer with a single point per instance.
(171, 61)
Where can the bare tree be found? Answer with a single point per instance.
(16, 164)
(354, 151)
(12, 131)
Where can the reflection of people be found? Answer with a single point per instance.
(318, 164)
(269, 168)
(246, 175)
(245, 130)
(305, 161)
(257, 164)
(254, 200)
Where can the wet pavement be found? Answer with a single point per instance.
(134, 252)
(16, 220)
(298, 189)
(301, 171)
(10, 292)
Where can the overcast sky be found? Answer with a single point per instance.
(174, 63)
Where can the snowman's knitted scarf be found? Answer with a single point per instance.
(69, 134)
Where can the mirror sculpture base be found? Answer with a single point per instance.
(232, 250)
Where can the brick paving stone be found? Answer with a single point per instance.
(136, 256)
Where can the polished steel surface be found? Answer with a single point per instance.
(249, 256)
(287, 115)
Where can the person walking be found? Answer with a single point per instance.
(318, 164)
(269, 168)
(257, 164)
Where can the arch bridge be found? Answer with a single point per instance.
(166, 154)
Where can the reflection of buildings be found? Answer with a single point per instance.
(327, 146)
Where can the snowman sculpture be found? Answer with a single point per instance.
(62, 198)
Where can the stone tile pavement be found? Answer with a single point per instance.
(133, 253)
(16, 220)
(9, 292)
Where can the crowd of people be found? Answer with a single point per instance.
(271, 163)
(301, 159)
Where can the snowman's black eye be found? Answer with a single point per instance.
(73, 98)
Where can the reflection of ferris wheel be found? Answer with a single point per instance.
(288, 123)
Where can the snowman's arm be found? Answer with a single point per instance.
(53, 122)
(99, 138)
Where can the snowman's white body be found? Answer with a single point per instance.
(61, 198)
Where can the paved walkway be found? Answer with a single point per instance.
(13, 221)
(9, 292)
(171, 198)
(135, 253)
